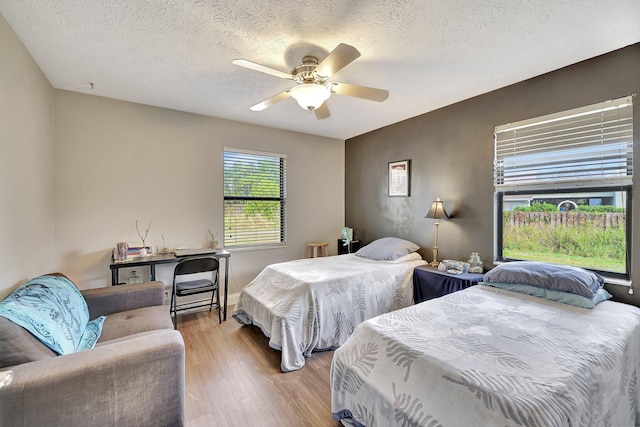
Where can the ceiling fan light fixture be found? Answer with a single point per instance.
(310, 96)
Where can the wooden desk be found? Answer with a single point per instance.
(153, 260)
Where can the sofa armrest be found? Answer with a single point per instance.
(135, 382)
(114, 299)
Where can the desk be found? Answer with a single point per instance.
(429, 282)
(153, 260)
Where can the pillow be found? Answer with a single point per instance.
(387, 249)
(91, 334)
(549, 276)
(52, 309)
(413, 256)
(553, 295)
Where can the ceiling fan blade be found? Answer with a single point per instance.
(262, 68)
(322, 112)
(339, 58)
(269, 102)
(364, 92)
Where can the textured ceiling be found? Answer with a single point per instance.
(428, 53)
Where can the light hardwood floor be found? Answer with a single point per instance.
(233, 378)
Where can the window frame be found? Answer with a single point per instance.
(282, 199)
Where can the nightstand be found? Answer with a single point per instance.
(354, 245)
(429, 282)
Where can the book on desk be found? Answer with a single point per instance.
(179, 253)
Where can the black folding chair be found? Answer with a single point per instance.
(185, 288)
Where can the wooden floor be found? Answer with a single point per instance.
(233, 378)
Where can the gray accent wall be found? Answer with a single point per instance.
(451, 152)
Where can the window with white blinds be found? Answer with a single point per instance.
(563, 188)
(584, 147)
(254, 198)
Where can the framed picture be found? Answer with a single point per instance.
(400, 178)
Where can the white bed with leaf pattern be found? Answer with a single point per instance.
(314, 304)
(486, 356)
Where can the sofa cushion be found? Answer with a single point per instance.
(52, 309)
(131, 322)
(19, 345)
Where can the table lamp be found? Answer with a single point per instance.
(436, 212)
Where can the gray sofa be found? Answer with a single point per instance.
(134, 376)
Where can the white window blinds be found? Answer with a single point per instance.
(587, 146)
(254, 198)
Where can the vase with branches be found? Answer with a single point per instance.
(211, 237)
(164, 249)
(143, 249)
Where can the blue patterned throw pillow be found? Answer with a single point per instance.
(54, 311)
(91, 334)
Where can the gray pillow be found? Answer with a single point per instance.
(387, 249)
(549, 276)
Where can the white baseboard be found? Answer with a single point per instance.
(232, 299)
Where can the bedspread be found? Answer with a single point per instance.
(314, 304)
(490, 357)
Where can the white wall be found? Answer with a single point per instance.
(26, 165)
(117, 162)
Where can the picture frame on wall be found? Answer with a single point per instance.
(400, 178)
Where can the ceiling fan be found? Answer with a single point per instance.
(312, 86)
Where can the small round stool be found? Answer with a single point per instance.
(316, 249)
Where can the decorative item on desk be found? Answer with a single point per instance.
(212, 242)
(122, 249)
(436, 212)
(134, 250)
(475, 263)
(143, 248)
(164, 250)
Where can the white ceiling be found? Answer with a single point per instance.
(428, 53)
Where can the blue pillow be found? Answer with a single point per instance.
(552, 295)
(52, 309)
(563, 278)
(387, 249)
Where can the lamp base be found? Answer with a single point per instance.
(435, 261)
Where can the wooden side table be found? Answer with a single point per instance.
(316, 249)
(429, 282)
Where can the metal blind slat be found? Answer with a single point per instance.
(589, 143)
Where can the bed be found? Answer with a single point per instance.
(492, 357)
(314, 304)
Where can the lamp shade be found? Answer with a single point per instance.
(437, 210)
(310, 96)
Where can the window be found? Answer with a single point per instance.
(563, 187)
(254, 199)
